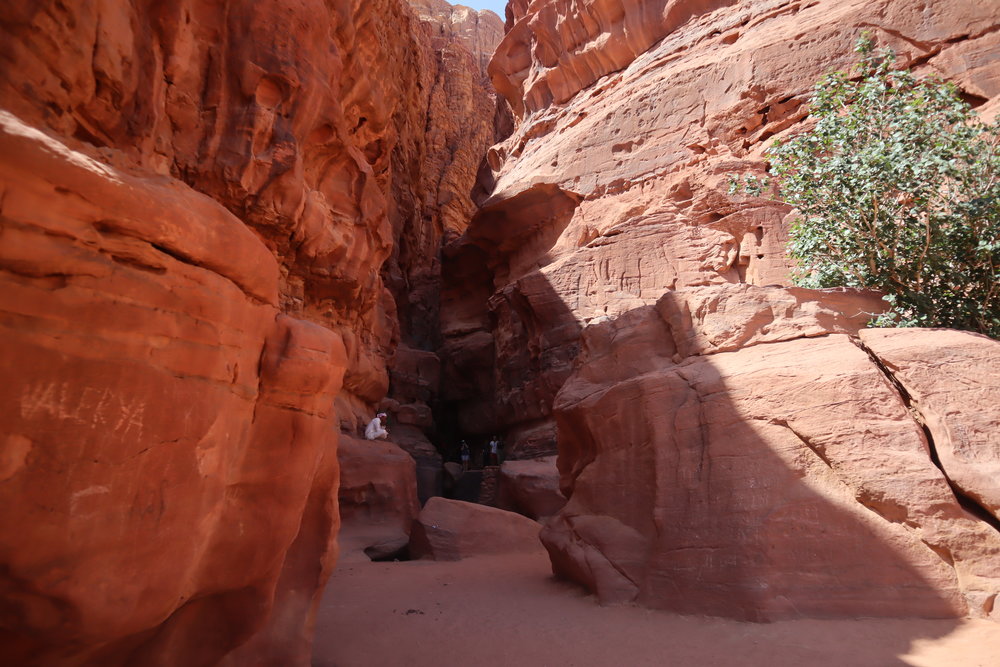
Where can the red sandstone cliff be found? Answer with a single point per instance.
(611, 189)
(710, 473)
(479, 31)
(454, 124)
(207, 214)
(218, 222)
(738, 451)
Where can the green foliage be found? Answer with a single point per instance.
(898, 190)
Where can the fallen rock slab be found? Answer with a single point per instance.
(453, 530)
(531, 487)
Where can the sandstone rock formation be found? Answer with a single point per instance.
(210, 215)
(726, 449)
(785, 478)
(453, 530)
(479, 31)
(220, 240)
(377, 484)
(612, 188)
(378, 496)
(277, 126)
(531, 487)
(439, 166)
(153, 387)
(951, 380)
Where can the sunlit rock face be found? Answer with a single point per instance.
(479, 31)
(209, 213)
(342, 138)
(612, 189)
(165, 425)
(728, 445)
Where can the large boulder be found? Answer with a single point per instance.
(786, 478)
(378, 498)
(531, 487)
(453, 530)
(378, 485)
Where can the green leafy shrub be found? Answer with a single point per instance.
(898, 187)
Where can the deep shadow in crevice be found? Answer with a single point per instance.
(490, 281)
(966, 501)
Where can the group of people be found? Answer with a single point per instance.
(491, 453)
(378, 429)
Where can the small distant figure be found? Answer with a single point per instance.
(376, 429)
(494, 447)
(466, 455)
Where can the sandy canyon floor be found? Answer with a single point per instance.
(509, 610)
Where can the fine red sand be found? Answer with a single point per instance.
(509, 610)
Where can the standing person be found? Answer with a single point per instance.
(465, 454)
(495, 451)
(376, 429)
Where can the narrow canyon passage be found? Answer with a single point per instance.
(231, 234)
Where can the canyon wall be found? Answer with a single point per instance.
(479, 31)
(213, 219)
(729, 446)
(436, 175)
(612, 189)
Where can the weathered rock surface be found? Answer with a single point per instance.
(280, 126)
(378, 497)
(727, 448)
(343, 148)
(452, 125)
(785, 478)
(287, 638)
(531, 487)
(210, 215)
(612, 188)
(378, 484)
(952, 380)
(153, 389)
(453, 530)
(479, 31)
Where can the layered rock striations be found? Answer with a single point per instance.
(612, 188)
(210, 215)
(728, 446)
